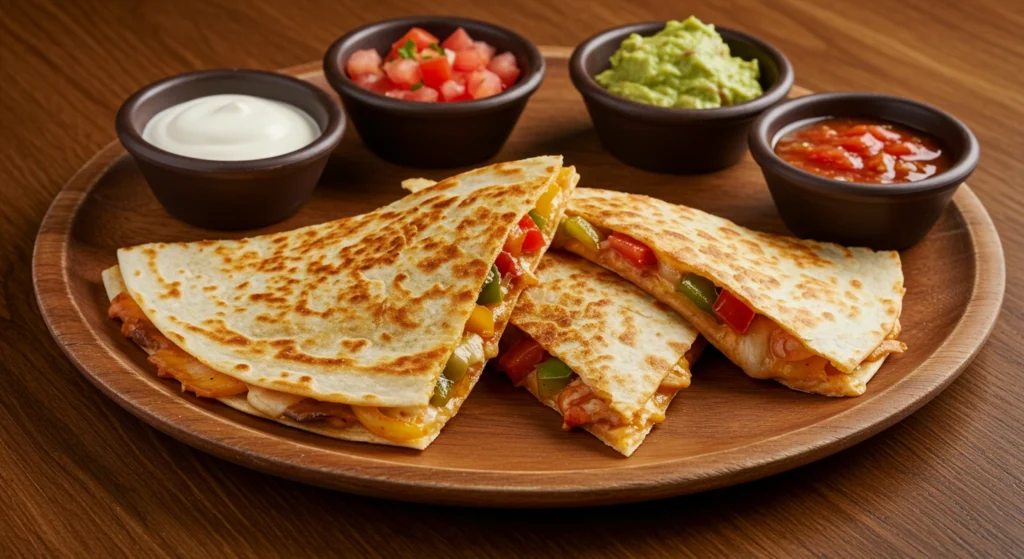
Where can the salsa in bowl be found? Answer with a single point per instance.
(396, 127)
(862, 169)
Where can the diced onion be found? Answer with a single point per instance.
(670, 274)
(271, 402)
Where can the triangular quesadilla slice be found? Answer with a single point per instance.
(598, 350)
(369, 328)
(817, 317)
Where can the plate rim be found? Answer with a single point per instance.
(405, 481)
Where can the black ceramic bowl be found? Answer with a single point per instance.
(669, 140)
(230, 194)
(880, 216)
(433, 134)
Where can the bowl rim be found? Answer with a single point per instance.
(588, 86)
(330, 136)
(339, 80)
(763, 152)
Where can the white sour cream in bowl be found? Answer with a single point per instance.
(231, 127)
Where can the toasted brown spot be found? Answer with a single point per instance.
(241, 367)
(355, 345)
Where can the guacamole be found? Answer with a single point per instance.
(686, 65)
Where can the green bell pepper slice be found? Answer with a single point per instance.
(552, 376)
(700, 291)
(470, 352)
(537, 218)
(575, 227)
(491, 292)
(442, 392)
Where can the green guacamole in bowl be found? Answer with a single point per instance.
(686, 65)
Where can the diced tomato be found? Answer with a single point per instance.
(398, 93)
(865, 144)
(423, 94)
(901, 148)
(468, 60)
(508, 265)
(364, 62)
(421, 37)
(403, 72)
(377, 84)
(732, 311)
(856, 130)
(884, 134)
(458, 40)
(504, 65)
(635, 252)
(521, 358)
(435, 71)
(452, 90)
(483, 83)
(836, 157)
(486, 51)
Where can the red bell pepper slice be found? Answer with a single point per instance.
(734, 312)
(534, 239)
(507, 265)
(521, 358)
(635, 252)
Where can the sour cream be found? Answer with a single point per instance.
(231, 128)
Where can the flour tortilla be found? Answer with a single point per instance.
(842, 303)
(622, 342)
(114, 285)
(363, 310)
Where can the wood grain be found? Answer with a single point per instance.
(82, 477)
(727, 429)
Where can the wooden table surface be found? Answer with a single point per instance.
(82, 477)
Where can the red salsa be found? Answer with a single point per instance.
(862, 150)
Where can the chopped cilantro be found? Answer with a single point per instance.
(416, 86)
(408, 50)
(437, 47)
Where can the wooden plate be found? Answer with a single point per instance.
(504, 448)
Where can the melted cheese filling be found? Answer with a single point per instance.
(396, 424)
(751, 350)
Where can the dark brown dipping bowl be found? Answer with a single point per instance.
(434, 135)
(880, 216)
(231, 194)
(669, 140)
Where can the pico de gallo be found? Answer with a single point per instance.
(863, 150)
(420, 67)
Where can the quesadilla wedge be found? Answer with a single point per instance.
(369, 328)
(816, 317)
(598, 350)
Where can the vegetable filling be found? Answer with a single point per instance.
(508, 275)
(785, 355)
(527, 364)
